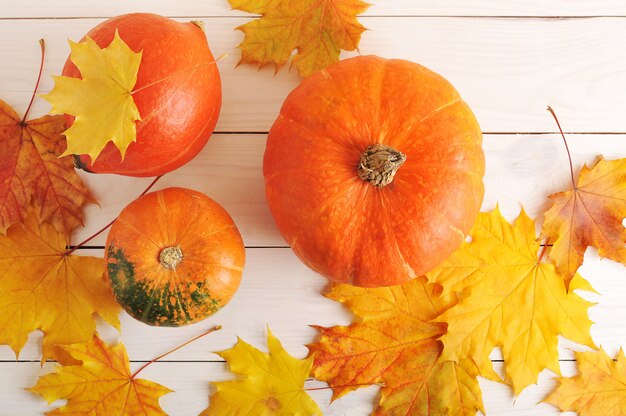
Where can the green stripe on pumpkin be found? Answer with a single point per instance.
(157, 305)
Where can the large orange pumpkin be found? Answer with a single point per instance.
(373, 171)
(173, 257)
(179, 113)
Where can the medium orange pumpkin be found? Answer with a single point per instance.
(174, 257)
(373, 171)
(180, 112)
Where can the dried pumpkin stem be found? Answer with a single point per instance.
(170, 257)
(379, 164)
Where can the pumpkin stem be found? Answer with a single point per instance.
(379, 163)
(170, 257)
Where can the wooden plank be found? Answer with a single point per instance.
(190, 382)
(102, 8)
(279, 291)
(507, 76)
(521, 170)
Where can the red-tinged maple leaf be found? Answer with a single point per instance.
(588, 215)
(32, 172)
(394, 343)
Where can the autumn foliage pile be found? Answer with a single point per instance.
(424, 342)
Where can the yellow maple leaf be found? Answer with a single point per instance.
(394, 342)
(101, 384)
(599, 388)
(32, 172)
(43, 288)
(509, 299)
(271, 384)
(591, 214)
(318, 29)
(102, 101)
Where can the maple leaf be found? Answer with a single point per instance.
(598, 389)
(101, 384)
(272, 383)
(102, 101)
(32, 173)
(394, 342)
(510, 299)
(43, 288)
(318, 29)
(590, 214)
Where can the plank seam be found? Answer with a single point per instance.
(486, 133)
(210, 361)
(371, 16)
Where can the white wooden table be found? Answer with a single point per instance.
(509, 59)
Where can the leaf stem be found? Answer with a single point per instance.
(346, 385)
(569, 155)
(543, 250)
(103, 229)
(42, 44)
(195, 68)
(184, 344)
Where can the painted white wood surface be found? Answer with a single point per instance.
(108, 8)
(279, 291)
(508, 69)
(191, 390)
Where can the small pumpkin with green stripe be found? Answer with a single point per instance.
(174, 257)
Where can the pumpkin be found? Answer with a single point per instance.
(179, 109)
(173, 257)
(373, 171)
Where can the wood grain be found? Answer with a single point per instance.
(108, 8)
(508, 70)
(190, 382)
(509, 59)
(279, 291)
(521, 170)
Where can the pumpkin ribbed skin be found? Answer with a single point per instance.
(178, 114)
(200, 283)
(344, 227)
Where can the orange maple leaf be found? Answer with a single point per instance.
(31, 171)
(101, 384)
(43, 288)
(599, 388)
(394, 342)
(318, 29)
(590, 214)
